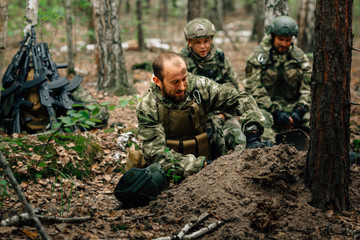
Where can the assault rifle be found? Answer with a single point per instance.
(61, 94)
(16, 62)
(53, 89)
(46, 87)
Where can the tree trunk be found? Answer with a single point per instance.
(70, 61)
(194, 9)
(163, 10)
(217, 11)
(306, 25)
(31, 14)
(3, 33)
(109, 55)
(328, 162)
(140, 29)
(258, 27)
(229, 5)
(128, 6)
(273, 9)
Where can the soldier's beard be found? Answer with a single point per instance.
(175, 96)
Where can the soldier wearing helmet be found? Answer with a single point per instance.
(203, 58)
(278, 75)
(201, 55)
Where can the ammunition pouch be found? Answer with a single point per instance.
(293, 78)
(186, 128)
(198, 146)
(269, 78)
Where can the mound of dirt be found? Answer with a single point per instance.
(258, 194)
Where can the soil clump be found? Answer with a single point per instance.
(259, 194)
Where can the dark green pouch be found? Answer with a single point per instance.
(139, 186)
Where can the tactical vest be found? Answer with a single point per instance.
(186, 128)
(282, 81)
(213, 69)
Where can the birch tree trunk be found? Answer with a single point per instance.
(328, 162)
(31, 13)
(110, 59)
(273, 9)
(3, 30)
(70, 60)
(306, 25)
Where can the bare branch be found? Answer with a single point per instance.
(21, 196)
(203, 230)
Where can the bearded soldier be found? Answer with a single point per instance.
(173, 114)
(203, 58)
(278, 76)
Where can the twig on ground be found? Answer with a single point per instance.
(212, 212)
(62, 220)
(191, 225)
(203, 230)
(22, 197)
(187, 227)
(23, 217)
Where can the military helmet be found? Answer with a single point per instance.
(139, 186)
(198, 28)
(284, 26)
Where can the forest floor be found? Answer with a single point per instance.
(257, 194)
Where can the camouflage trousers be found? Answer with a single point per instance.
(234, 138)
(270, 130)
(81, 95)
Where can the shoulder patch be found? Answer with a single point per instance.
(260, 55)
(248, 70)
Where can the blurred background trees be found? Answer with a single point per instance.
(69, 25)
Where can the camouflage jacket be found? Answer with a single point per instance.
(213, 97)
(215, 66)
(278, 81)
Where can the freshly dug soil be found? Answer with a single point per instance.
(259, 194)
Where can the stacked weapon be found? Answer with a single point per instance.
(53, 90)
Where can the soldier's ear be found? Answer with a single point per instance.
(157, 81)
(189, 42)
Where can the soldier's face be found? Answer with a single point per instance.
(174, 84)
(201, 46)
(282, 43)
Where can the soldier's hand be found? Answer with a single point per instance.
(283, 119)
(253, 140)
(297, 115)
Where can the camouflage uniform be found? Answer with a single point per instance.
(278, 81)
(213, 97)
(217, 67)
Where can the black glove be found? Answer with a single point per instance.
(297, 115)
(253, 140)
(282, 119)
